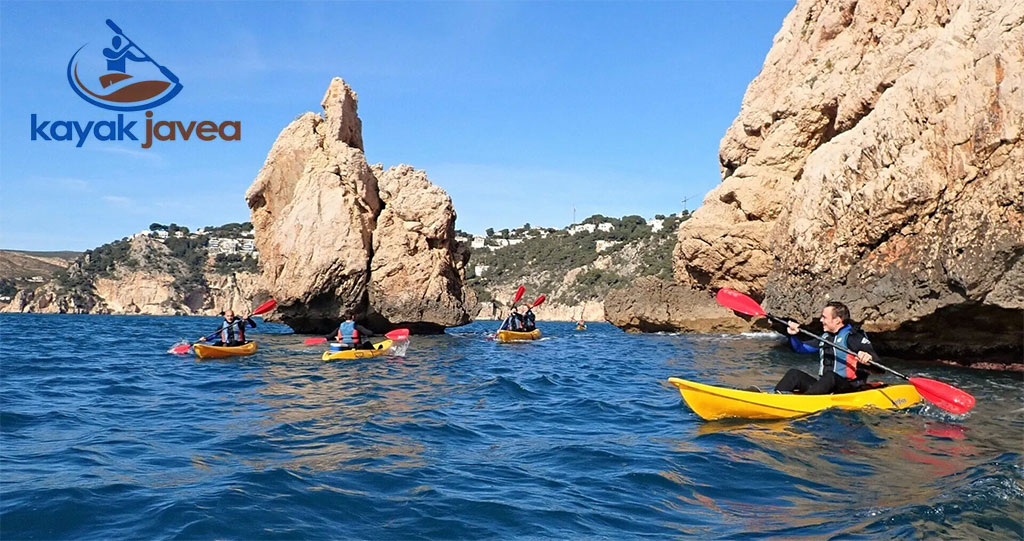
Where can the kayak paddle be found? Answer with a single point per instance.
(540, 300)
(941, 394)
(396, 335)
(182, 349)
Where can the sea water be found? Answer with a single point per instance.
(104, 435)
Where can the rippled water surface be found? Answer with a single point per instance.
(578, 435)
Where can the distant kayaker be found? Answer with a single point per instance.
(529, 321)
(835, 375)
(353, 335)
(231, 328)
(514, 321)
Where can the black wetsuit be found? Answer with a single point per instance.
(836, 371)
(529, 321)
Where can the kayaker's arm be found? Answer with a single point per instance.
(363, 331)
(798, 345)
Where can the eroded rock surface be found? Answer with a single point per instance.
(654, 305)
(877, 159)
(417, 271)
(328, 243)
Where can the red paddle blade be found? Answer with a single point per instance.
(265, 307)
(734, 300)
(538, 301)
(180, 349)
(519, 294)
(315, 341)
(944, 396)
(398, 334)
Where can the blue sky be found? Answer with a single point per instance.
(520, 110)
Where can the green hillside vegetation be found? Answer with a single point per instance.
(185, 258)
(231, 263)
(544, 262)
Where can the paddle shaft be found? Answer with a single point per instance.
(837, 346)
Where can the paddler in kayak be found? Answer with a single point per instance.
(228, 328)
(529, 321)
(514, 321)
(352, 335)
(835, 375)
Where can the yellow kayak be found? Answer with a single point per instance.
(378, 349)
(710, 402)
(206, 351)
(513, 336)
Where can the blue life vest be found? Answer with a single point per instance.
(828, 355)
(348, 333)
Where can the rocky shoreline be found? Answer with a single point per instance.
(875, 160)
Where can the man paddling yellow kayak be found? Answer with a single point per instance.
(837, 372)
(941, 394)
(228, 327)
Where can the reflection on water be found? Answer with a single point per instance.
(342, 415)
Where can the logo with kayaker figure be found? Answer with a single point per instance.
(121, 77)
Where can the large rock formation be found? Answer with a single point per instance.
(876, 159)
(335, 239)
(417, 271)
(654, 305)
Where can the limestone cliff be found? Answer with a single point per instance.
(146, 280)
(876, 159)
(328, 243)
(141, 293)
